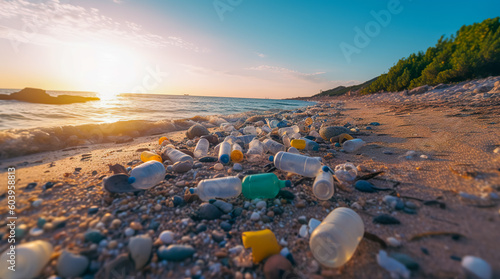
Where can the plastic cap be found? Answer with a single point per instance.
(224, 158)
(271, 158)
(326, 169)
(315, 148)
(131, 179)
(288, 183)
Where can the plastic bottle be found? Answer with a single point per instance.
(224, 187)
(148, 156)
(299, 164)
(255, 150)
(288, 130)
(236, 153)
(315, 134)
(175, 155)
(286, 141)
(147, 175)
(249, 130)
(273, 146)
(201, 149)
(244, 140)
(263, 186)
(293, 150)
(272, 123)
(224, 152)
(298, 143)
(266, 129)
(353, 145)
(30, 258)
(335, 240)
(323, 184)
(346, 172)
(311, 145)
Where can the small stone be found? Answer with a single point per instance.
(113, 244)
(136, 226)
(201, 228)
(237, 211)
(302, 220)
(477, 266)
(394, 202)
(197, 166)
(93, 210)
(182, 167)
(393, 242)
(385, 219)
(270, 214)
(115, 224)
(313, 224)
(411, 205)
(261, 204)
(276, 266)
(157, 207)
(237, 167)
(178, 201)
(218, 166)
(140, 249)
(303, 231)
(410, 263)
(218, 236)
(196, 130)
(93, 236)
(395, 268)
(37, 203)
(225, 226)
(129, 232)
(357, 206)
(223, 206)
(208, 159)
(175, 252)
(364, 186)
(40, 222)
(208, 211)
(301, 204)
(167, 237)
(255, 216)
(71, 265)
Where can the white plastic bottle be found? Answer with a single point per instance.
(147, 175)
(175, 155)
(224, 152)
(323, 184)
(201, 149)
(29, 260)
(224, 188)
(296, 163)
(353, 145)
(311, 145)
(273, 146)
(335, 240)
(255, 150)
(246, 139)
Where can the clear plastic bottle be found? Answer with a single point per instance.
(236, 153)
(255, 150)
(147, 175)
(286, 141)
(224, 188)
(224, 152)
(346, 172)
(272, 123)
(263, 186)
(311, 145)
(299, 164)
(201, 149)
(249, 130)
(175, 155)
(246, 139)
(30, 258)
(293, 150)
(273, 146)
(335, 240)
(323, 184)
(148, 156)
(353, 145)
(288, 130)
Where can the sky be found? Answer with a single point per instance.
(238, 48)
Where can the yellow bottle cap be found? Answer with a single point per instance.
(236, 156)
(263, 244)
(298, 143)
(149, 156)
(160, 141)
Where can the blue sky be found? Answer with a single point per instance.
(242, 48)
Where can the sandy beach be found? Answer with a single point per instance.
(452, 177)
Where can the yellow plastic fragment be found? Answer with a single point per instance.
(160, 141)
(263, 244)
(298, 143)
(149, 156)
(341, 138)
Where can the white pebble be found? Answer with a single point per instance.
(477, 266)
(283, 242)
(261, 205)
(236, 249)
(218, 166)
(37, 203)
(285, 252)
(393, 242)
(497, 150)
(313, 224)
(255, 216)
(129, 232)
(395, 268)
(303, 231)
(356, 205)
(167, 237)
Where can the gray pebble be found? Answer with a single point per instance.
(225, 226)
(175, 252)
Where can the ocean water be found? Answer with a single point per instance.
(27, 128)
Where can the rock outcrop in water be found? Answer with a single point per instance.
(39, 96)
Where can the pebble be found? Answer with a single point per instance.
(225, 226)
(93, 210)
(356, 205)
(157, 207)
(36, 231)
(167, 237)
(115, 224)
(218, 166)
(182, 167)
(255, 216)
(201, 228)
(218, 236)
(136, 226)
(208, 159)
(385, 219)
(178, 201)
(261, 204)
(40, 222)
(303, 231)
(129, 232)
(410, 263)
(313, 224)
(394, 202)
(393, 242)
(411, 205)
(140, 249)
(237, 167)
(223, 206)
(175, 252)
(302, 219)
(276, 266)
(71, 265)
(301, 204)
(93, 236)
(208, 211)
(37, 203)
(364, 186)
(477, 266)
(395, 268)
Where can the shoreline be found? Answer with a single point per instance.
(458, 136)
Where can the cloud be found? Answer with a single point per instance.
(50, 20)
(261, 55)
(312, 77)
(118, 1)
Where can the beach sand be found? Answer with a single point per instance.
(458, 138)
